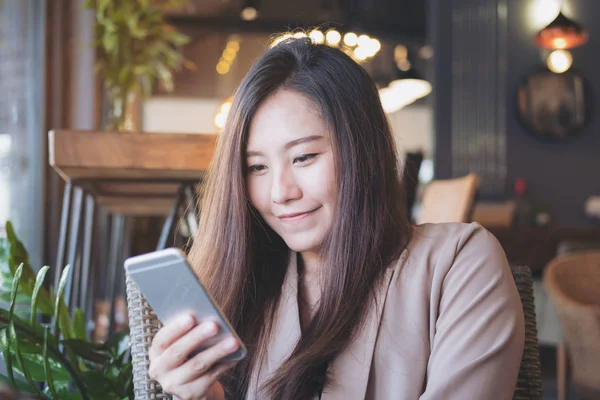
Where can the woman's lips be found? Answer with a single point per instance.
(296, 216)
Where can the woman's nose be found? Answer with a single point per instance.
(285, 187)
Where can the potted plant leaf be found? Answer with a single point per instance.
(53, 360)
(135, 49)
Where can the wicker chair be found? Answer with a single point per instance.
(143, 324)
(572, 280)
(529, 382)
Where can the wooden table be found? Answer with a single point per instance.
(126, 175)
(536, 246)
(130, 173)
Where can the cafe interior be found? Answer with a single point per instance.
(492, 104)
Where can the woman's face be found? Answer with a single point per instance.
(291, 177)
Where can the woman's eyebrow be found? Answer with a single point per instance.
(303, 140)
(295, 142)
(253, 153)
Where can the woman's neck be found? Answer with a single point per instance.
(308, 266)
(309, 291)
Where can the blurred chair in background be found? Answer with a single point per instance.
(572, 280)
(449, 200)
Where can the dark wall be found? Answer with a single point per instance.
(439, 34)
(561, 175)
(469, 99)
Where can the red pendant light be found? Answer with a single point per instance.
(562, 33)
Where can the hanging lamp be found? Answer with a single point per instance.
(405, 89)
(562, 33)
(406, 85)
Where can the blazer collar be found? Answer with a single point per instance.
(348, 374)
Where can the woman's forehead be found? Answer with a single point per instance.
(285, 116)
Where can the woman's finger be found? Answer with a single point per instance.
(204, 384)
(179, 351)
(172, 331)
(204, 362)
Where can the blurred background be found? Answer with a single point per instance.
(492, 104)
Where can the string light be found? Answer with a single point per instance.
(404, 65)
(249, 14)
(426, 52)
(350, 39)
(228, 56)
(233, 45)
(333, 37)
(363, 40)
(222, 67)
(360, 48)
(360, 53)
(221, 116)
(317, 36)
(372, 47)
(280, 39)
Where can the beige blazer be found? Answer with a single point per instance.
(451, 326)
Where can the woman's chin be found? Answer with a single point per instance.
(302, 246)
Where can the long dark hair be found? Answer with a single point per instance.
(243, 261)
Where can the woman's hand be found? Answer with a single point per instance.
(192, 379)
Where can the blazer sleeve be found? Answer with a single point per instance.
(479, 334)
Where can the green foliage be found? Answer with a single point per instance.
(58, 354)
(136, 47)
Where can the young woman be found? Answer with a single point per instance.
(305, 244)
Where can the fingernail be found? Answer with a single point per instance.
(208, 327)
(186, 321)
(230, 344)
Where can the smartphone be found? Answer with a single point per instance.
(171, 287)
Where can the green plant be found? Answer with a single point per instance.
(53, 360)
(135, 48)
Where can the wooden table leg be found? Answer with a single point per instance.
(115, 251)
(562, 372)
(74, 249)
(173, 215)
(62, 235)
(86, 288)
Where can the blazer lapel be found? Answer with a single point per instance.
(348, 375)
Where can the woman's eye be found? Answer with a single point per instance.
(304, 158)
(256, 168)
